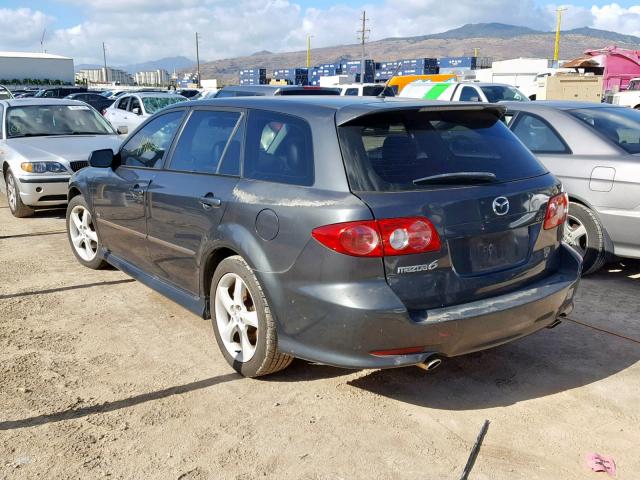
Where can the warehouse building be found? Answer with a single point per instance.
(104, 76)
(154, 78)
(35, 66)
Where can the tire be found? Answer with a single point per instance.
(82, 234)
(256, 352)
(18, 209)
(586, 235)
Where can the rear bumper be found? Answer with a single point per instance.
(43, 191)
(341, 325)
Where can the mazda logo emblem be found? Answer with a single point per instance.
(501, 206)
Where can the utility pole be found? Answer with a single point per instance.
(363, 37)
(42, 40)
(198, 59)
(556, 49)
(308, 51)
(104, 56)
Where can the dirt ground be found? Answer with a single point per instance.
(100, 377)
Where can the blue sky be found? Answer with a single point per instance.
(140, 30)
(67, 15)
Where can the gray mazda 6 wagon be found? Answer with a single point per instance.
(356, 232)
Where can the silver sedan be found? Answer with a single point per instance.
(42, 142)
(595, 150)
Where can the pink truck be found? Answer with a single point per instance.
(619, 66)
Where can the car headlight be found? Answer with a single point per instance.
(43, 167)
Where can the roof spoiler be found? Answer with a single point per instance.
(349, 114)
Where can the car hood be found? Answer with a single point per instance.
(64, 147)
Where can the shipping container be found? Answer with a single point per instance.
(262, 72)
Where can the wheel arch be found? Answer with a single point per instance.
(74, 191)
(210, 263)
(608, 243)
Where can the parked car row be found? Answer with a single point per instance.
(359, 232)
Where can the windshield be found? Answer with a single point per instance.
(620, 125)
(499, 93)
(389, 151)
(373, 91)
(153, 104)
(42, 120)
(5, 94)
(634, 85)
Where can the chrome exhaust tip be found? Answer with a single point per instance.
(430, 364)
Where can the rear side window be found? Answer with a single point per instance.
(278, 149)
(388, 151)
(619, 125)
(122, 103)
(147, 147)
(538, 135)
(469, 94)
(351, 91)
(203, 141)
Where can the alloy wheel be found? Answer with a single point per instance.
(575, 234)
(11, 192)
(236, 317)
(83, 234)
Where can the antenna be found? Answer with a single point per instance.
(363, 36)
(386, 84)
(42, 40)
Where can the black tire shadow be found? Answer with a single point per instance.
(621, 268)
(545, 363)
(57, 212)
(304, 371)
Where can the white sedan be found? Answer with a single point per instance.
(130, 110)
(42, 142)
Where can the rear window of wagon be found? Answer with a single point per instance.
(387, 151)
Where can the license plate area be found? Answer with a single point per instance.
(489, 252)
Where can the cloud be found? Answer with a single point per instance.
(22, 26)
(140, 30)
(617, 19)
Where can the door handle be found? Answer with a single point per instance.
(136, 191)
(209, 201)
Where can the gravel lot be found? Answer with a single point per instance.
(103, 378)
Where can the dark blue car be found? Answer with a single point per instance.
(356, 232)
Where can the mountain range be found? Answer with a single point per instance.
(496, 40)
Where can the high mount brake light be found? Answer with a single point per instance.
(378, 238)
(557, 209)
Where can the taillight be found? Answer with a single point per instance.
(557, 209)
(360, 239)
(371, 238)
(404, 236)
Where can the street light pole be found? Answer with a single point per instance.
(198, 59)
(556, 49)
(104, 57)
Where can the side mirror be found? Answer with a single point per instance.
(136, 111)
(101, 158)
(123, 130)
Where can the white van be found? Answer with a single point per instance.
(463, 92)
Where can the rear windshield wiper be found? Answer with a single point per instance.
(456, 178)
